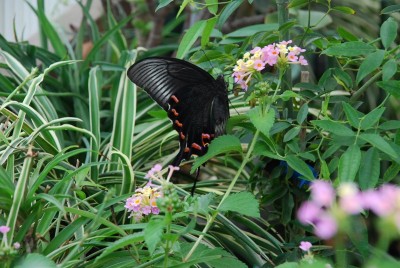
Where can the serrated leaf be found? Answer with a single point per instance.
(370, 119)
(379, 143)
(300, 166)
(291, 134)
(352, 115)
(369, 170)
(349, 164)
(153, 233)
(244, 203)
(262, 121)
(333, 127)
(189, 38)
(204, 201)
(388, 32)
(389, 69)
(222, 144)
(350, 49)
(370, 64)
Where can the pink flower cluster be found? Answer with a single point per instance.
(143, 202)
(258, 58)
(326, 204)
(4, 229)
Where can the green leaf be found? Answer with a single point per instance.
(212, 6)
(205, 37)
(389, 69)
(262, 120)
(352, 115)
(182, 7)
(300, 166)
(372, 118)
(163, 3)
(288, 264)
(370, 169)
(350, 49)
(390, 125)
(390, 9)
(349, 164)
(291, 134)
(244, 203)
(370, 64)
(35, 260)
(189, 38)
(125, 241)
(388, 32)
(391, 172)
(379, 143)
(333, 127)
(253, 29)
(288, 94)
(346, 34)
(392, 87)
(153, 233)
(227, 12)
(222, 144)
(297, 3)
(302, 114)
(345, 10)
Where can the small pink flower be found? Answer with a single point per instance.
(254, 50)
(326, 227)
(303, 61)
(292, 57)
(259, 65)
(305, 245)
(146, 210)
(308, 212)
(155, 210)
(17, 245)
(4, 229)
(323, 193)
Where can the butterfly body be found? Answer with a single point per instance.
(196, 103)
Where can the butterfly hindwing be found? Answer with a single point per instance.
(196, 103)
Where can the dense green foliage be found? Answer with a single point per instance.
(77, 137)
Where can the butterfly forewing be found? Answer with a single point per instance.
(196, 103)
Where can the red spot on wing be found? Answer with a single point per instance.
(196, 146)
(186, 150)
(182, 136)
(174, 112)
(175, 99)
(179, 124)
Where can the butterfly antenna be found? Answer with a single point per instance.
(195, 181)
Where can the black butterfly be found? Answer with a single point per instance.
(196, 103)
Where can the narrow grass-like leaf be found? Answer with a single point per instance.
(189, 38)
(94, 115)
(121, 243)
(35, 260)
(128, 182)
(349, 164)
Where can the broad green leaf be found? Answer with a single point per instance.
(204, 201)
(389, 69)
(300, 166)
(189, 38)
(391, 173)
(35, 260)
(288, 94)
(370, 169)
(227, 12)
(392, 87)
(342, 78)
(390, 9)
(388, 32)
(297, 3)
(212, 6)
(294, 132)
(390, 125)
(317, 19)
(370, 119)
(244, 203)
(333, 127)
(350, 49)
(370, 64)
(379, 143)
(345, 10)
(346, 34)
(153, 233)
(222, 144)
(302, 114)
(349, 164)
(262, 120)
(325, 173)
(205, 37)
(352, 115)
(182, 7)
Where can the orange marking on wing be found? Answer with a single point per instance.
(175, 99)
(182, 136)
(179, 124)
(174, 112)
(196, 146)
(186, 150)
(205, 136)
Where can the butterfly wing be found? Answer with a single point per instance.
(196, 103)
